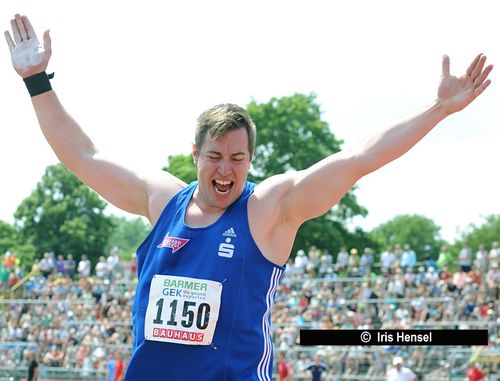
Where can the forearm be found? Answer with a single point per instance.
(67, 139)
(382, 148)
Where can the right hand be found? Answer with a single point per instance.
(28, 57)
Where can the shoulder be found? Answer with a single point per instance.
(270, 228)
(268, 196)
(162, 187)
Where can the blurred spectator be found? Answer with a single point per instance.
(408, 258)
(46, 264)
(474, 373)
(111, 368)
(326, 263)
(459, 278)
(9, 261)
(300, 261)
(399, 372)
(285, 370)
(465, 257)
(60, 264)
(494, 255)
(314, 256)
(32, 366)
(133, 265)
(4, 278)
(366, 261)
(481, 259)
(398, 253)
(54, 357)
(386, 259)
(101, 268)
(119, 367)
(84, 267)
(69, 266)
(493, 277)
(341, 263)
(445, 258)
(113, 263)
(353, 260)
(13, 279)
(317, 369)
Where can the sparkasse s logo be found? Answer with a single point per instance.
(226, 249)
(175, 243)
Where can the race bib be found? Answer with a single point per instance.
(182, 310)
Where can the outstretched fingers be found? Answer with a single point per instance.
(478, 69)
(481, 88)
(471, 67)
(15, 31)
(29, 28)
(446, 66)
(10, 42)
(22, 29)
(482, 77)
(47, 42)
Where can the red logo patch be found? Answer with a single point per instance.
(174, 243)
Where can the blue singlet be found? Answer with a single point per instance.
(179, 265)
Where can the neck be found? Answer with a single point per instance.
(200, 214)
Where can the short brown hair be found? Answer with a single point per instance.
(221, 118)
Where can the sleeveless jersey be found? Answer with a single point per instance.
(203, 299)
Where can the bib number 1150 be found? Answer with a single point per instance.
(190, 311)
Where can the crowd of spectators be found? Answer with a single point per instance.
(348, 292)
(70, 316)
(75, 316)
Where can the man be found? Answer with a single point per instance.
(84, 267)
(210, 267)
(399, 372)
(409, 257)
(285, 369)
(119, 367)
(32, 367)
(317, 369)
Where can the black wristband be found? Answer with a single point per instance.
(38, 83)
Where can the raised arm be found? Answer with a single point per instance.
(309, 193)
(123, 187)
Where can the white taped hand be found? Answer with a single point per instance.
(27, 54)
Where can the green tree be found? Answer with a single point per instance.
(63, 215)
(485, 233)
(10, 241)
(292, 136)
(182, 166)
(8, 237)
(416, 230)
(127, 235)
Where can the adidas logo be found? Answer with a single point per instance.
(229, 233)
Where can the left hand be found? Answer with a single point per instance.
(455, 93)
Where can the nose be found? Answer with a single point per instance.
(224, 168)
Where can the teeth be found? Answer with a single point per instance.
(222, 182)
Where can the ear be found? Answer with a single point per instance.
(195, 154)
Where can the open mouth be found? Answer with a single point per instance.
(222, 186)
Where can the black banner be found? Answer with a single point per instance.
(394, 337)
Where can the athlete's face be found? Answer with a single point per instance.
(223, 165)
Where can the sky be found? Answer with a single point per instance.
(135, 75)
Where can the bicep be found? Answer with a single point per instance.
(318, 188)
